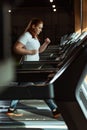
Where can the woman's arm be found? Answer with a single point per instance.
(44, 45)
(19, 48)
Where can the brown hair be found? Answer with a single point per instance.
(34, 21)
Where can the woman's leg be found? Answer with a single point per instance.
(51, 104)
(13, 104)
(54, 108)
(12, 109)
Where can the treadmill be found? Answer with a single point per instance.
(65, 75)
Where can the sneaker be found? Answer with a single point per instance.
(13, 113)
(56, 113)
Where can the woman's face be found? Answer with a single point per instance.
(38, 28)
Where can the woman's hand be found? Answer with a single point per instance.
(44, 45)
(47, 41)
(33, 52)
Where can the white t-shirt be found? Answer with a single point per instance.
(30, 44)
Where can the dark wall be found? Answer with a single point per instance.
(56, 23)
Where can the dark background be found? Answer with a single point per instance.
(56, 24)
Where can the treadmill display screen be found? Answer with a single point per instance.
(81, 93)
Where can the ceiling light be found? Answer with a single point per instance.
(54, 10)
(51, 1)
(9, 10)
(53, 6)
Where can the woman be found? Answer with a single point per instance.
(29, 46)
